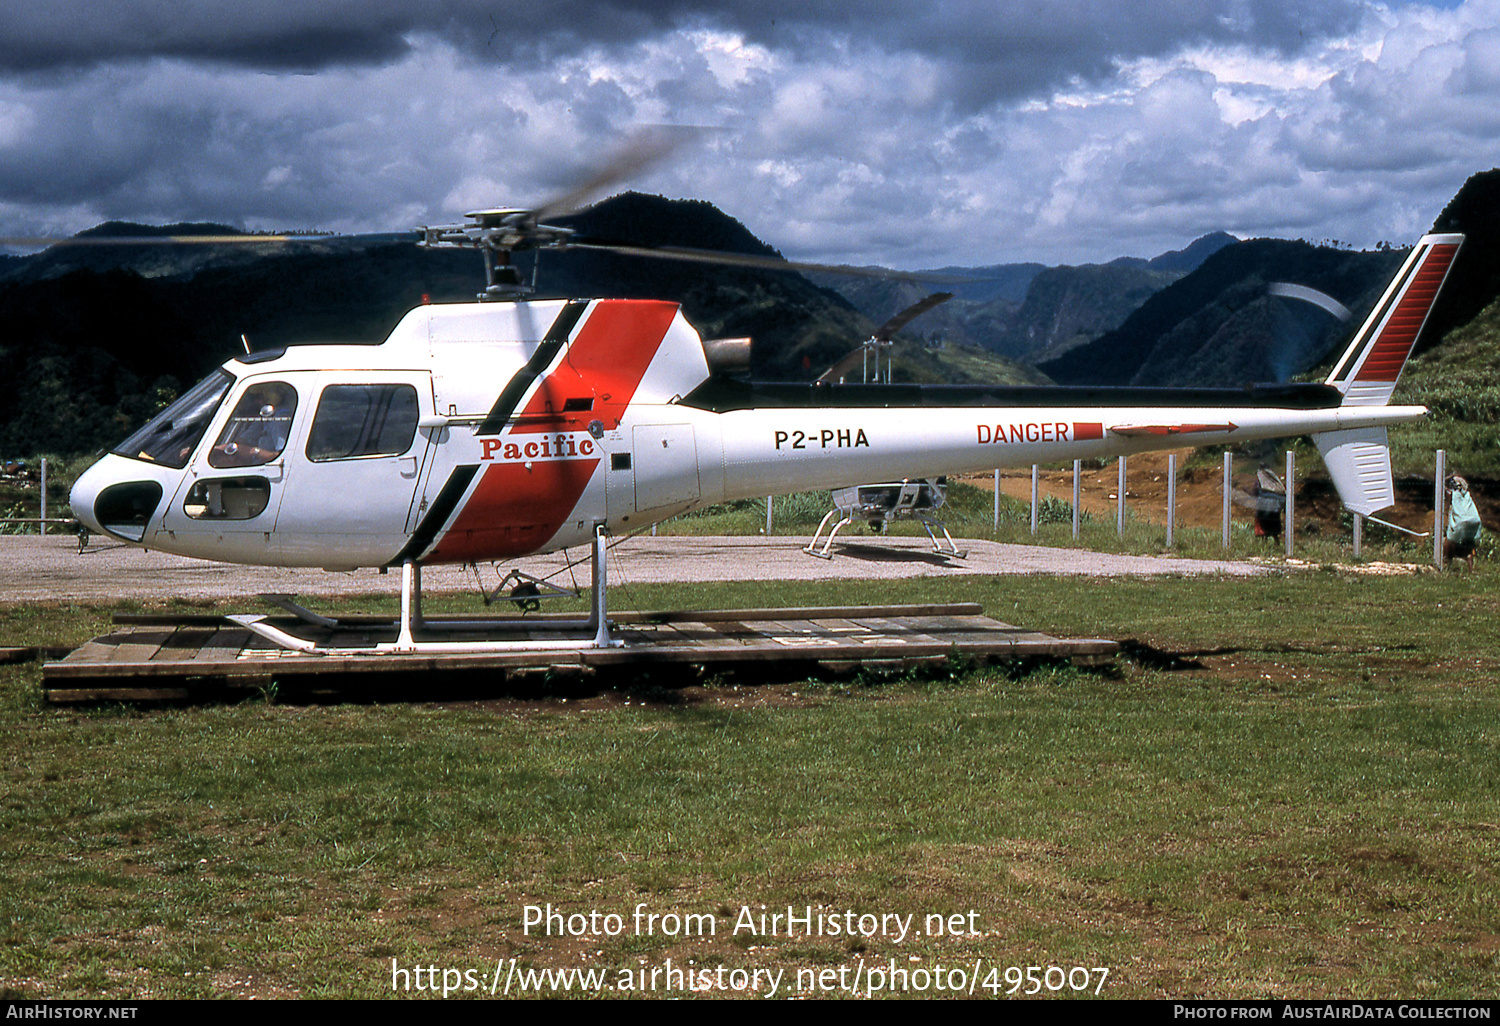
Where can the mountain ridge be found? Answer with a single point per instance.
(1032, 312)
(96, 343)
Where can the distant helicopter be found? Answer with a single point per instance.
(888, 500)
(512, 426)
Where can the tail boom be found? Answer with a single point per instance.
(776, 451)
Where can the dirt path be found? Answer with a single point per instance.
(51, 569)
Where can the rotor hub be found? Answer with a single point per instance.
(498, 234)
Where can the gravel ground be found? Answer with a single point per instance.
(35, 568)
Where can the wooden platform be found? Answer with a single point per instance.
(183, 657)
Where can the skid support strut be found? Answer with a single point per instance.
(597, 618)
(411, 605)
(412, 623)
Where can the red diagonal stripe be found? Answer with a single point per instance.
(606, 362)
(514, 511)
(1390, 351)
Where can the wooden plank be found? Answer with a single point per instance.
(805, 612)
(915, 631)
(96, 651)
(223, 645)
(139, 646)
(184, 645)
(837, 637)
(735, 631)
(841, 627)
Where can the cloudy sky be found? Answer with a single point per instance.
(905, 132)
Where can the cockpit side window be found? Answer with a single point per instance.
(363, 420)
(170, 437)
(258, 428)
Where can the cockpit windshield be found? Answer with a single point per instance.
(171, 436)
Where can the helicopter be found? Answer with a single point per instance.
(512, 426)
(889, 500)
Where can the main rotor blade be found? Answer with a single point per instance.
(643, 149)
(30, 241)
(148, 240)
(767, 263)
(887, 331)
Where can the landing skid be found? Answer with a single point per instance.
(950, 549)
(412, 623)
(811, 548)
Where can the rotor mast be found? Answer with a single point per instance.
(498, 234)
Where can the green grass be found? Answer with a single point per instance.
(1306, 806)
(970, 514)
(1459, 381)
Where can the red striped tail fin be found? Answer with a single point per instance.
(1368, 370)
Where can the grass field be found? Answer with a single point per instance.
(1288, 789)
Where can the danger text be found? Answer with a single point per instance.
(1046, 431)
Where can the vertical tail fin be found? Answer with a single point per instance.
(1368, 370)
(1359, 459)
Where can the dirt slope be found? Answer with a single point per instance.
(1200, 496)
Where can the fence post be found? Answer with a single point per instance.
(1171, 497)
(1033, 498)
(1120, 510)
(1077, 468)
(997, 500)
(768, 514)
(1228, 486)
(1439, 518)
(44, 495)
(1291, 489)
(1359, 524)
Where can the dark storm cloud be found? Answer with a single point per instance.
(990, 50)
(916, 134)
(272, 34)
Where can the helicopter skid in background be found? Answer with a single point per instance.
(877, 503)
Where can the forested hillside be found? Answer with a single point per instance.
(1028, 312)
(96, 339)
(1221, 325)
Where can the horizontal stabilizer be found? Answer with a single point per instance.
(1359, 461)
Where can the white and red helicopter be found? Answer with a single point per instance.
(487, 431)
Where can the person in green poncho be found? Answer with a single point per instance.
(1463, 523)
